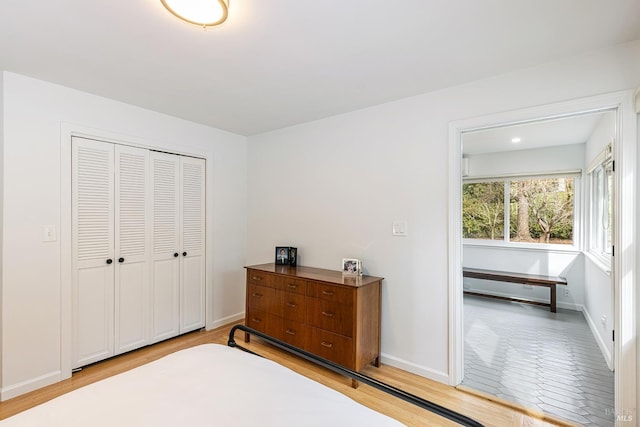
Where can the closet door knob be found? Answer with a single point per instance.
(109, 261)
(176, 254)
(184, 254)
(120, 259)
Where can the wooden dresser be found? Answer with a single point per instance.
(324, 312)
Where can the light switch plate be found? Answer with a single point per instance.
(49, 233)
(399, 228)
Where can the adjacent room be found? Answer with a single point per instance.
(534, 194)
(166, 176)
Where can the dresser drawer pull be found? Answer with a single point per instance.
(328, 293)
(292, 286)
(291, 305)
(325, 313)
(326, 344)
(290, 332)
(253, 319)
(257, 278)
(257, 295)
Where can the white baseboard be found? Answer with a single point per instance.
(559, 303)
(30, 385)
(596, 334)
(225, 321)
(425, 372)
(569, 306)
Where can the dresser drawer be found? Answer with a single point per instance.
(261, 297)
(331, 346)
(294, 333)
(257, 319)
(290, 306)
(261, 278)
(329, 292)
(290, 284)
(331, 316)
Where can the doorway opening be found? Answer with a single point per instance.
(576, 171)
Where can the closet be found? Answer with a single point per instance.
(126, 212)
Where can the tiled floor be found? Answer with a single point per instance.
(528, 355)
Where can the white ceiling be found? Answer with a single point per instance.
(276, 63)
(538, 134)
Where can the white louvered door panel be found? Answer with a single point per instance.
(192, 269)
(92, 251)
(132, 248)
(165, 180)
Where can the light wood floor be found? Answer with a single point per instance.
(487, 412)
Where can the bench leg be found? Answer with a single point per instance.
(552, 288)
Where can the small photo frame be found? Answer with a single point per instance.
(351, 266)
(286, 255)
(282, 255)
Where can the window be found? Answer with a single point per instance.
(601, 207)
(483, 210)
(525, 210)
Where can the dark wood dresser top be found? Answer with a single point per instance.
(318, 274)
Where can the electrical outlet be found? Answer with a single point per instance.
(566, 292)
(603, 320)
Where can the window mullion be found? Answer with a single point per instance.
(507, 212)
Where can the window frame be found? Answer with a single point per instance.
(506, 242)
(599, 244)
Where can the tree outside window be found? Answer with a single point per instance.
(483, 210)
(539, 210)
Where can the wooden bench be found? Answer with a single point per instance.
(520, 278)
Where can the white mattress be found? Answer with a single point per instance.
(207, 385)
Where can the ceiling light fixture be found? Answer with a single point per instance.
(203, 13)
(516, 140)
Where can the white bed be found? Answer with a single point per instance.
(207, 385)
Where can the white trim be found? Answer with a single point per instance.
(522, 246)
(545, 299)
(599, 340)
(573, 173)
(456, 308)
(414, 368)
(225, 321)
(31, 384)
(65, 252)
(624, 262)
(625, 232)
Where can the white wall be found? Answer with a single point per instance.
(33, 324)
(598, 302)
(347, 178)
(565, 262)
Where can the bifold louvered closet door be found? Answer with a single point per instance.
(114, 231)
(178, 258)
